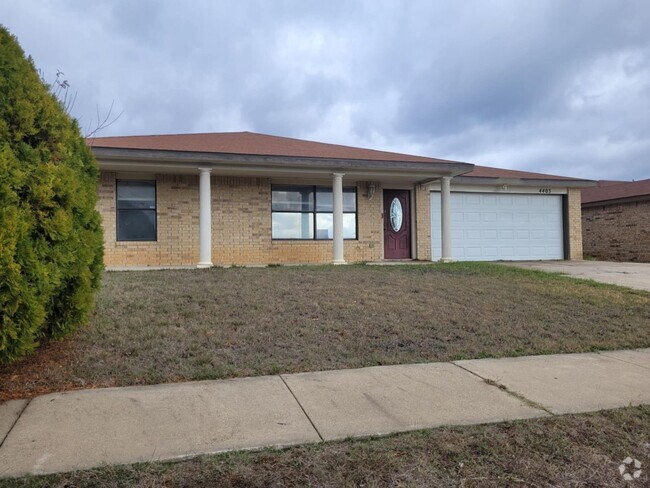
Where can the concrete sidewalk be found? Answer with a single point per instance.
(83, 429)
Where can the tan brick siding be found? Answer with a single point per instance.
(618, 232)
(241, 226)
(177, 200)
(574, 217)
(423, 222)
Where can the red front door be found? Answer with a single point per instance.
(397, 224)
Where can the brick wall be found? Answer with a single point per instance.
(241, 226)
(574, 218)
(618, 232)
(423, 222)
(177, 224)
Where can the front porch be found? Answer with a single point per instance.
(206, 216)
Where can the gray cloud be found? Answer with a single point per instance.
(550, 86)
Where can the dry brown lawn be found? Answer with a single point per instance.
(175, 325)
(567, 451)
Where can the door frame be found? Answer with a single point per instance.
(414, 232)
(411, 189)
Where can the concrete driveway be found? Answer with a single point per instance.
(632, 275)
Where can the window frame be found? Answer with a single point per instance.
(314, 212)
(118, 210)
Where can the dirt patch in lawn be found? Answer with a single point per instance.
(567, 451)
(163, 326)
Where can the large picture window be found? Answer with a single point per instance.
(136, 210)
(305, 212)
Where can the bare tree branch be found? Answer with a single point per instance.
(103, 122)
(60, 88)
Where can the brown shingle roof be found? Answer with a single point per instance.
(615, 190)
(250, 143)
(489, 172)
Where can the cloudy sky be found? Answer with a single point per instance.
(551, 86)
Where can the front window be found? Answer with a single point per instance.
(305, 212)
(136, 210)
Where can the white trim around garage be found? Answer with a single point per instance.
(534, 190)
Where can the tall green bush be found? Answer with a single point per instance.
(50, 233)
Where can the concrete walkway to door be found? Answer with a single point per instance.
(632, 275)
(88, 428)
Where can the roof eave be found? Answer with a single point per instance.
(165, 159)
(616, 201)
(546, 182)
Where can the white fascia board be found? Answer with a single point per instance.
(537, 190)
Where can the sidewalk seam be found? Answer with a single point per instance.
(20, 414)
(505, 389)
(302, 408)
(621, 360)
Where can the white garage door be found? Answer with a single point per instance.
(495, 226)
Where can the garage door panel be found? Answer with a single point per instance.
(473, 252)
(511, 226)
(491, 252)
(506, 252)
(489, 199)
(505, 200)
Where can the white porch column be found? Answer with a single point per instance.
(445, 218)
(337, 218)
(205, 219)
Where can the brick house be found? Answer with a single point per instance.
(246, 198)
(616, 220)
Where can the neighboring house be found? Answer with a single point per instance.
(246, 198)
(616, 220)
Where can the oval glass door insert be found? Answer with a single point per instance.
(396, 214)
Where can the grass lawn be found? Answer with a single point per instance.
(565, 451)
(164, 326)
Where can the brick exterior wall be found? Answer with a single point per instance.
(617, 232)
(574, 221)
(241, 226)
(177, 201)
(423, 222)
